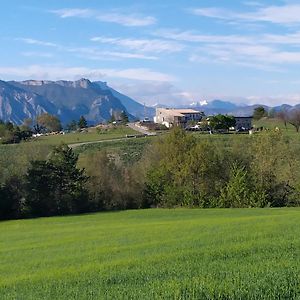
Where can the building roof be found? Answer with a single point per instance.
(178, 112)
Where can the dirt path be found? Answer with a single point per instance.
(141, 129)
(96, 142)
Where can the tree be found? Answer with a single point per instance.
(294, 119)
(11, 134)
(219, 122)
(9, 126)
(124, 117)
(49, 122)
(236, 193)
(82, 123)
(259, 112)
(164, 183)
(72, 126)
(11, 196)
(283, 116)
(271, 113)
(27, 123)
(56, 186)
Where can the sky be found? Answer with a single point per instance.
(169, 51)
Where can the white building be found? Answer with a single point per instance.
(177, 117)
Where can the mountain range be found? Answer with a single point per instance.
(97, 101)
(67, 99)
(242, 110)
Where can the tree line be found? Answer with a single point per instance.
(177, 170)
(44, 123)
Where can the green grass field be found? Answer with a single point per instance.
(91, 136)
(129, 150)
(153, 254)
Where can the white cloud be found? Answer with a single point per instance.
(262, 38)
(141, 74)
(261, 51)
(86, 52)
(130, 20)
(73, 12)
(252, 3)
(284, 14)
(282, 39)
(190, 36)
(71, 73)
(253, 53)
(36, 54)
(95, 54)
(37, 42)
(154, 92)
(143, 45)
(127, 20)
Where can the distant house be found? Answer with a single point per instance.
(177, 117)
(243, 123)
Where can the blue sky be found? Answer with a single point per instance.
(159, 51)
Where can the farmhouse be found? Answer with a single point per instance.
(177, 117)
(244, 123)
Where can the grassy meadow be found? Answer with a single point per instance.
(153, 254)
(129, 150)
(81, 137)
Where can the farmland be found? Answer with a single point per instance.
(91, 136)
(153, 254)
(129, 150)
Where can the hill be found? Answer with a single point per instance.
(153, 254)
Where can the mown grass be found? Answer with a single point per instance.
(81, 137)
(153, 254)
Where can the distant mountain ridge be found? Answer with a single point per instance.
(242, 110)
(97, 101)
(67, 99)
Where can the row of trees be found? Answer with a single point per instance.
(176, 170)
(80, 124)
(256, 172)
(11, 134)
(119, 117)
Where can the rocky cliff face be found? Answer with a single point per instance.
(67, 99)
(17, 104)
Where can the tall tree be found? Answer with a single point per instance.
(236, 193)
(124, 117)
(56, 186)
(50, 122)
(72, 125)
(82, 123)
(283, 116)
(221, 122)
(259, 112)
(294, 119)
